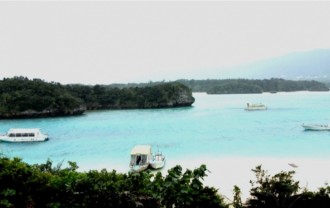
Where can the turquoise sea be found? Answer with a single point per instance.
(215, 126)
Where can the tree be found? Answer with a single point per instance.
(237, 202)
(43, 185)
(278, 191)
(185, 190)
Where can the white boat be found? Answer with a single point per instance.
(24, 135)
(140, 158)
(316, 127)
(158, 161)
(255, 106)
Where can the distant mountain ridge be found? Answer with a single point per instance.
(308, 65)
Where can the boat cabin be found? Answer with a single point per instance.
(255, 106)
(140, 157)
(24, 135)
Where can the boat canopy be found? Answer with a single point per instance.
(141, 150)
(24, 130)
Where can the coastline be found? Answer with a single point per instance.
(223, 173)
(216, 132)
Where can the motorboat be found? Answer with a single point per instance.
(140, 157)
(157, 161)
(24, 135)
(316, 127)
(255, 106)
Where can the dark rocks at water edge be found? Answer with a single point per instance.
(44, 113)
(21, 97)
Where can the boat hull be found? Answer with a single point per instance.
(316, 127)
(157, 165)
(255, 107)
(157, 162)
(17, 139)
(139, 168)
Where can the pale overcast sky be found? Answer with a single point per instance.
(120, 42)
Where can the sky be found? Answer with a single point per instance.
(108, 42)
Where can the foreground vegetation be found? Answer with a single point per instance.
(24, 185)
(43, 185)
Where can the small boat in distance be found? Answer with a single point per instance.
(255, 106)
(158, 161)
(316, 127)
(140, 158)
(24, 135)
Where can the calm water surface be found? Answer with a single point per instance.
(216, 126)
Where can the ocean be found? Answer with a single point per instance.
(215, 126)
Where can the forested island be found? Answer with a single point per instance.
(45, 185)
(21, 97)
(240, 86)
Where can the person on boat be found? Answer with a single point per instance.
(138, 160)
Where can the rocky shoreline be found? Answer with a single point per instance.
(43, 114)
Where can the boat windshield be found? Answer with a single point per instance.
(138, 159)
(21, 135)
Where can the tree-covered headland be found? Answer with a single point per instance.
(21, 97)
(162, 95)
(44, 185)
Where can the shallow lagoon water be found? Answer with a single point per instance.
(216, 126)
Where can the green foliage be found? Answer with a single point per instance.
(43, 185)
(186, 189)
(19, 183)
(281, 191)
(237, 201)
(235, 87)
(20, 96)
(153, 96)
(273, 191)
(232, 86)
